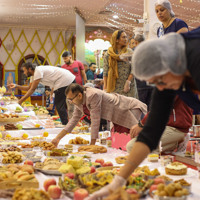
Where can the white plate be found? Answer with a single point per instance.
(190, 173)
(49, 172)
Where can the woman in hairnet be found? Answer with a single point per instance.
(175, 133)
(166, 16)
(175, 71)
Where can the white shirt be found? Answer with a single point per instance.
(31, 79)
(54, 77)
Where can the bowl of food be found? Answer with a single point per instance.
(184, 184)
(13, 99)
(172, 191)
(29, 154)
(28, 108)
(6, 100)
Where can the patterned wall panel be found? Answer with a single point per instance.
(18, 43)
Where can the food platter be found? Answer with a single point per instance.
(33, 128)
(49, 172)
(12, 119)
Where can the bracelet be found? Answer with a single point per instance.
(140, 124)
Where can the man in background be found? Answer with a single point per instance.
(75, 67)
(85, 64)
(91, 72)
(49, 102)
(56, 78)
(101, 105)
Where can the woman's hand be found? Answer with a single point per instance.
(127, 86)
(117, 182)
(135, 130)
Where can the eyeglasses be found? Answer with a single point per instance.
(70, 100)
(157, 82)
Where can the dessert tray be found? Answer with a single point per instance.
(49, 172)
(190, 173)
(12, 119)
(33, 128)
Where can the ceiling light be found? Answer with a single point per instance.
(115, 16)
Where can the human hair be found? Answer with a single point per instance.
(29, 65)
(131, 38)
(47, 89)
(139, 38)
(66, 54)
(105, 50)
(74, 88)
(119, 34)
(92, 64)
(85, 63)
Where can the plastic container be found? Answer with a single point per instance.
(109, 142)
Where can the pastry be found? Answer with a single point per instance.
(183, 182)
(65, 168)
(83, 170)
(30, 193)
(78, 140)
(171, 190)
(121, 159)
(93, 148)
(12, 157)
(176, 168)
(75, 161)
(68, 148)
(153, 157)
(165, 160)
(57, 152)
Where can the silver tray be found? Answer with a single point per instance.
(60, 158)
(49, 172)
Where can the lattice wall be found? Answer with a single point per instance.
(18, 43)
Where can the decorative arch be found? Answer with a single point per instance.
(38, 60)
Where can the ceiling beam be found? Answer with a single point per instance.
(79, 13)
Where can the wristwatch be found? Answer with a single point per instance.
(140, 124)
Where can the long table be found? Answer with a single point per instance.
(191, 177)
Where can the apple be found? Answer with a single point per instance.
(92, 169)
(152, 188)
(54, 191)
(135, 174)
(131, 191)
(80, 194)
(99, 160)
(106, 164)
(158, 181)
(69, 175)
(49, 182)
(28, 162)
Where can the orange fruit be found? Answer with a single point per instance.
(1, 135)
(8, 136)
(37, 125)
(45, 134)
(25, 136)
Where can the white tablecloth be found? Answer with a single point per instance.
(191, 177)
